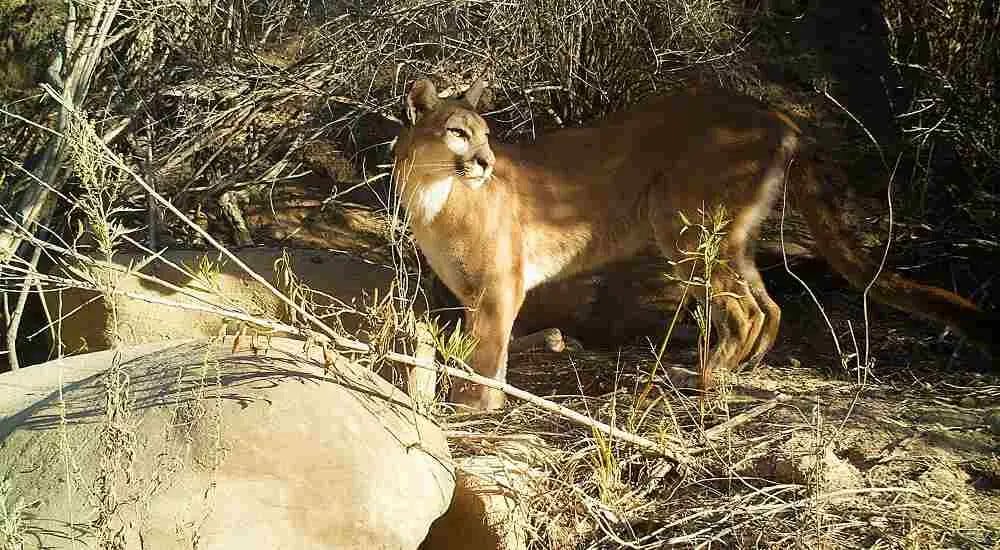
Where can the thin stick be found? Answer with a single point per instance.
(14, 320)
(152, 212)
(715, 432)
(677, 454)
(881, 263)
(465, 373)
(550, 339)
(788, 267)
(420, 383)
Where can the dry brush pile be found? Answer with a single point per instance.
(144, 124)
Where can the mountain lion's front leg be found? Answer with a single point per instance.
(489, 321)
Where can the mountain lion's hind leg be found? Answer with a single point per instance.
(756, 317)
(735, 316)
(771, 314)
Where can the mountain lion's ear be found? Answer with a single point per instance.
(421, 99)
(474, 92)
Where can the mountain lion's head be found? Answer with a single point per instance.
(444, 138)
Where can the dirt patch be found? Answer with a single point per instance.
(901, 454)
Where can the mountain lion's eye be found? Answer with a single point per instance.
(458, 132)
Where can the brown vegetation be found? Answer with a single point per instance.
(138, 125)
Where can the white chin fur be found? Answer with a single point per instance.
(429, 202)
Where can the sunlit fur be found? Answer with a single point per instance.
(495, 220)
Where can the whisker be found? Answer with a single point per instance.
(494, 176)
(430, 165)
(433, 163)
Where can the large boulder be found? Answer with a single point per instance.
(492, 493)
(180, 445)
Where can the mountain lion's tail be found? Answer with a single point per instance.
(814, 196)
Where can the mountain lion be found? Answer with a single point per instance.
(495, 220)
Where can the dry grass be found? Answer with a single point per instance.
(818, 470)
(11, 518)
(238, 99)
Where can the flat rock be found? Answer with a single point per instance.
(143, 311)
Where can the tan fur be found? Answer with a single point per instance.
(515, 216)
